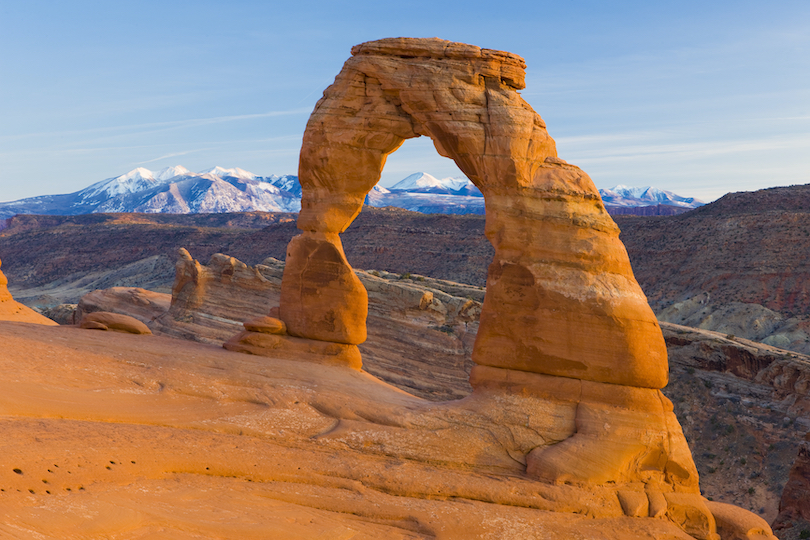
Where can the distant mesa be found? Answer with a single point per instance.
(176, 190)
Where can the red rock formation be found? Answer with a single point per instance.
(420, 333)
(562, 300)
(146, 306)
(105, 320)
(321, 298)
(11, 310)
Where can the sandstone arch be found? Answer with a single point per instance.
(570, 358)
(561, 297)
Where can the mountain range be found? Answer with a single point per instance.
(645, 196)
(177, 190)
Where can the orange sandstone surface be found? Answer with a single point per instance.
(566, 433)
(111, 435)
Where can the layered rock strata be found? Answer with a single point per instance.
(794, 508)
(744, 408)
(143, 305)
(420, 330)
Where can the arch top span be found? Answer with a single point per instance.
(461, 96)
(507, 66)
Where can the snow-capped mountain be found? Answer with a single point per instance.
(170, 172)
(170, 190)
(422, 182)
(645, 196)
(288, 183)
(428, 200)
(178, 190)
(234, 173)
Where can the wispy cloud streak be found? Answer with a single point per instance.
(167, 156)
(157, 126)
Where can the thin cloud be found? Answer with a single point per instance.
(167, 156)
(158, 126)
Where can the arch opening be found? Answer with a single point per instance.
(414, 156)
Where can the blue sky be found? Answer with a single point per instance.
(700, 98)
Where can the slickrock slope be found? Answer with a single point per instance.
(154, 497)
(151, 437)
(11, 310)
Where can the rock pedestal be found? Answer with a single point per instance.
(323, 307)
(321, 297)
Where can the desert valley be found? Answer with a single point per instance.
(338, 368)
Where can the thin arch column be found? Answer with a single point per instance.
(348, 137)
